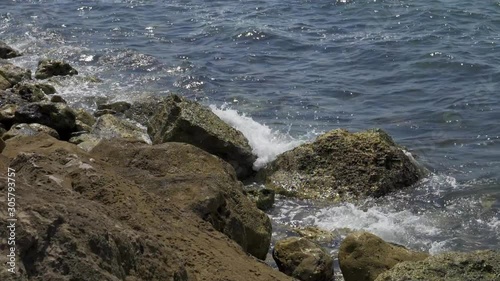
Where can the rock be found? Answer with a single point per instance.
(101, 112)
(363, 256)
(117, 107)
(7, 113)
(109, 126)
(82, 218)
(176, 119)
(2, 145)
(55, 115)
(262, 197)
(14, 74)
(49, 68)
(479, 265)
(195, 181)
(57, 98)
(316, 234)
(343, 166)
(29, 130)
(32, 92)
(303, 259)
(6, 52)
(85, 117)
(4, 83)
(85, 141)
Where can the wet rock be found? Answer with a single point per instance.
(303, 259)
(55, 115)
(7, 114)
(176, 119)
(101, 112)
(262, 197)
(48, 68)
(14, 74)
(4, 83)
(109, 127)
(29, 130)
(83, 218)
(85, 117)
(479, 265)
(117, 107)
(57, 98)
(7, 52)
(32, 92)
(316, 234)
(195, 181)
(343, 166)
(363, 256)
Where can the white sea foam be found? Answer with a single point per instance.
(265, 142)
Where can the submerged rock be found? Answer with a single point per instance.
(195, 181)
(340, 165)
(176, 119)
(48, 68)
(29, 130)
(363, 256)
(303, 259)
(7, 52)
(479, 265)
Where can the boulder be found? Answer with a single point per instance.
(195, 181)
(343, 166)
(55, 115)
(117, 107)
(262, 197)
(57, 98)
(4, 83)
(33, 92)
(14, 74)
(82, 219)
(29, 130)
(85, 117)
(7, 52)
(479, 265)
(85, 141)
(7, 113)
(109, 126)
(48, 68)
(316, 234)
(303, 259)
(363, 256)
(176, 119)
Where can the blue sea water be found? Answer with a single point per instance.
(284, 71)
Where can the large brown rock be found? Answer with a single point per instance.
(196, 181)
(81, 218)
(342, 166)
(453, 266)
(176, 119)
(14, 74)
(303, 259)
(363, 256)
(7, 52)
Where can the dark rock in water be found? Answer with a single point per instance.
(29, 130)
(341, 166)
(49, 68)
(55, 115)
(479, 265)
(303, 259)
(7, 52)
(117, 107)
(82, 218)
(363, 256)
(33, 92)
(14, 74)
(262, 197)
(57, 98)
(195, 181)
(176, 119)
(101, 112)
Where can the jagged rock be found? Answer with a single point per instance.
(33, 92)
(116, 107)
(85, 141)
(4, 83)
(195, 181)
(303, 259)
(14, 74)
(109, 127)
(55, 115)
(363, 256)
(316, 234)
(82, 218)
(7, 52)
(29, 130)
(49, 68)
(177, 119)
(343, 166)
(85, 117)
(479, 265)
(7, 113)
(262, 197)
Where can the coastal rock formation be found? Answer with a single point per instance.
(117, 107)
(4, 83)
(316, 234)
(176, 119)
(262, 197)
(479, 265)
(33, 92)
(29, 130)
(363, 256)
(197, 182)
(109, 127)
(48, 68)
(303, 259)
(341, 166)
(83, 218)
(14, 74)
(55, 115)
(7, 52)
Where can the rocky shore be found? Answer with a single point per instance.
(153, 191)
